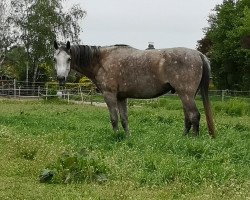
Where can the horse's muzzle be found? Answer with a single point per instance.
(61, 81)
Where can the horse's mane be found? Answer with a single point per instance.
(83, 55)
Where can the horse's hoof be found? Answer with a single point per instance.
(196, 134)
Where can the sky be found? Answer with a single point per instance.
(166, 23)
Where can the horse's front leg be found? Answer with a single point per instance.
(123, 110)
(111, 101)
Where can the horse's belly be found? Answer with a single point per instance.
(143, 91)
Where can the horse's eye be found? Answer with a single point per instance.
(54, 60)
(69, 59)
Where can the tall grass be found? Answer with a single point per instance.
(76, 142)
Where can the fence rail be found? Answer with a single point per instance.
(20, 90)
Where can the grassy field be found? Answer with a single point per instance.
(75, 143)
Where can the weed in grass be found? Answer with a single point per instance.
(233, 107)
(84, 166)
(196, 153)
(165, 120)
(46, 176)
(241, 127)
(156, 171)
(27, 148)
(119, 136)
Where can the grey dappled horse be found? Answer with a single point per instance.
(122, 72)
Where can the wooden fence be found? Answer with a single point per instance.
(79, 92)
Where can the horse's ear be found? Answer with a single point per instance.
(68, 45)
(55, 45)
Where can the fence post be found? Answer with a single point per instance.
(64, 92)
(81, 93)
(38, 92)
(14, 88)
(91, 96)
(19, 92)
(8, 89)
(46, 93)
(68, 96)
(223, 92)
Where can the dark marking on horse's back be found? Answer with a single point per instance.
(121, 45)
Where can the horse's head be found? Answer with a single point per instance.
(62, 60)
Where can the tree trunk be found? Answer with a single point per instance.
(245, 42)
(2, 57)
(34, 78)
(35, 73)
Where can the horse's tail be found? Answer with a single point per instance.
(204, 94)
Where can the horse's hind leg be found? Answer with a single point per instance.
(111, 101)
(187, 124)
(123, 109)
(192, 115)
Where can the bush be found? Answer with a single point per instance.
(84, 83)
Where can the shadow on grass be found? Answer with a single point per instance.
(120, 136)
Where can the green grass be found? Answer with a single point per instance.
(89, 162)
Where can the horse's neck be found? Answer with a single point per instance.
(89, 71)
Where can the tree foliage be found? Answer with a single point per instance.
(223, 44)
(37, 23)
(2, 28)
(15, 63)
(7, 36)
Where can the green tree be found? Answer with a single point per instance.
(7, 36)
(15, 63)
(39, 23)
(2, 31)
(230, 62)
(204, 45)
